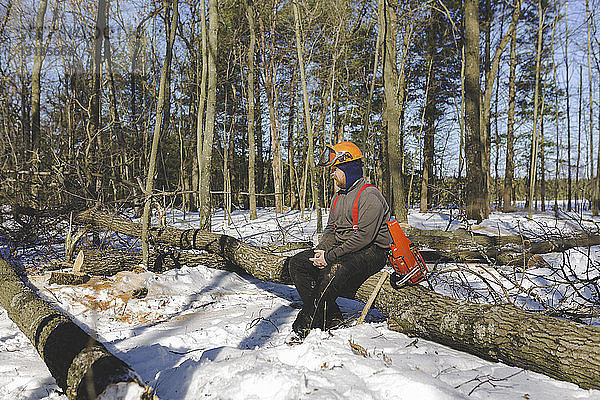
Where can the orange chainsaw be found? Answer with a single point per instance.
(409, 266)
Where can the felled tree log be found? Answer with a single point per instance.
(110, 262)
(82, 366)
(560, 349)
(260, 264)
(555, 347)
(461, 245)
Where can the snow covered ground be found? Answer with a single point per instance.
(203, 333)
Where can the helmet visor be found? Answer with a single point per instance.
(331, 157)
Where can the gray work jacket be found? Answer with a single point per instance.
(339, 238)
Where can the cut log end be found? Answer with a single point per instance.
(139, 293)
(127, 391)
(68, 278)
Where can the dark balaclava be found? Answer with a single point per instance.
(353, 171)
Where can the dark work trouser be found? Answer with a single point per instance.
(319, 288)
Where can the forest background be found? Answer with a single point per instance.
(200, 105)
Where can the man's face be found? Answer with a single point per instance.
(338, 176)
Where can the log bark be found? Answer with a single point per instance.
(82, 366)
(110, 262)
(560, 349)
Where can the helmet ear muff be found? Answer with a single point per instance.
(344, 157)
(338, 154)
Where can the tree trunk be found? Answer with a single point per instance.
(134, 76)
(542, 157)
(368, 145)
(251, 138)
(486, 26)
(497, 138)
(536, 96)
(429, 117)
(35, 83)
(596, 182)
(201, 81)
(388, 20)
(509, 170)
(260, 160)
(111, 262)
(95, 114)
(458, 246)
(486, 114)
(157, 128)
(476, 186)
(82, 367)
(269, 74)
(124, 169)
(227, 162)
(558, 348)
(569, 179)
(310, 164)
(205, 164)
(291, 146)
(556, 120)
(256, 262)
(578, 160)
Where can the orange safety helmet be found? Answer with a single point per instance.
(338, 154)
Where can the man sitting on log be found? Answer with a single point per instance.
(353, 246)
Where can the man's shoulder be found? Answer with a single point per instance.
(372, 192)
(369, 187)
(365, 188)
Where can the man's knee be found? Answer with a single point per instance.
(299, 262)
(347, 275)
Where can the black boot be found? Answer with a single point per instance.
(301, 325)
